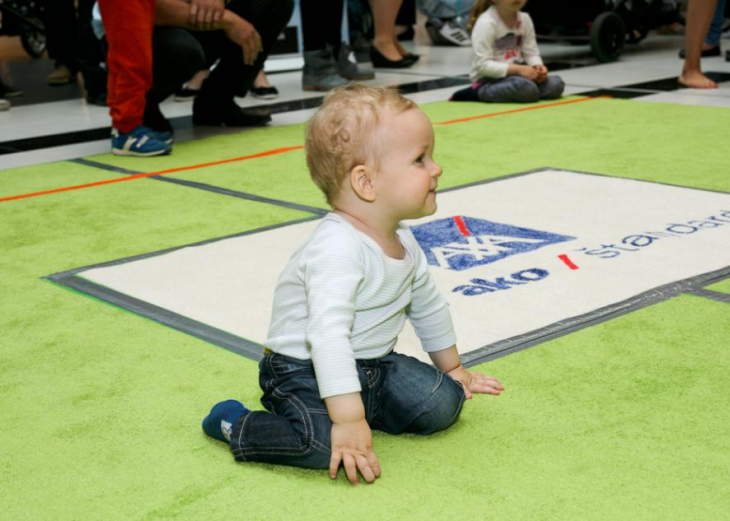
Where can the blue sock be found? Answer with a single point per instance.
(221, 419)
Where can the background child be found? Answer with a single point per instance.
(507, 67)
(329, 374)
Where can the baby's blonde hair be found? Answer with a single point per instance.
(340, 134)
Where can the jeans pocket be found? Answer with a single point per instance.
(281, 366)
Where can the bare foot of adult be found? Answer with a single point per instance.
(696, 80)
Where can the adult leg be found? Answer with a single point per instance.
(699, 16)
(232, 75)
(384, 14)
(715, 31)
(552, 88)
(177, 56)
(128, 27)
(321, 31)
(512, 89)
(415, 397)
(61, 32)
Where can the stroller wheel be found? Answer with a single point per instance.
(608, 36)
(32, 39)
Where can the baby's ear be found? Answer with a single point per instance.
(361, 181)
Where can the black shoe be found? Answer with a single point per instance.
(413, 58)
(264, 92)
(96, 99)
(8, 91)
(185, 94)
(229, 115)
(381, 61)
(727, 56)
(706, 53)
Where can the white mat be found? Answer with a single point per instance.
(496, 249)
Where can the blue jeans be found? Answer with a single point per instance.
(400, 394)
(516, 89)
(715, 31)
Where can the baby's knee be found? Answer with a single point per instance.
(444, 407)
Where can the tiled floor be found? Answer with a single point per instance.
(46, 111)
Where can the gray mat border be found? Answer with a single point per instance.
(648, 298)
(253, 350)
(205, 187)
(165, 317)
(712, 295)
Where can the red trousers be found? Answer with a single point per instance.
(128, 25)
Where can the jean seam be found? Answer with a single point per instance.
(308, 432)
(439, 380)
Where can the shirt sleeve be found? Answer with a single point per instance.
(530, 51)
(428, 311)
(483, 39)
(333, 271)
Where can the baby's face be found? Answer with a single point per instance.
(408, 175)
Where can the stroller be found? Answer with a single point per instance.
(604, 24)
(24, 19)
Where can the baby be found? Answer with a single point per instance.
(329, 374)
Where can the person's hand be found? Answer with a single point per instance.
(476, 382)
(352, 446)
(206, 14)
(244, 34)
(542, 73)
(528, 72)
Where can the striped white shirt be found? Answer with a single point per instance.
(340, 298)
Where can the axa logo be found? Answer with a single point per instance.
(459, 243)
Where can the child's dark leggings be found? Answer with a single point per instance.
(512, 89)
(516, 89)
(400, 394)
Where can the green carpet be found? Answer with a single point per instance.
(722, 287)
(102, 409)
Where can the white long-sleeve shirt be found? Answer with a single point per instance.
(496, 45)
(340, 298)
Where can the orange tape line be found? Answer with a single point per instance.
(268, 153)
(151, 174)
(525, 109)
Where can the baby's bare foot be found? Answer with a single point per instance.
(696, 80)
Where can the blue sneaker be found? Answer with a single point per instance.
(221, 419)
(140, 142)
(159, 135)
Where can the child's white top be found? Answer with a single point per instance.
(496, 45)
(340, 298)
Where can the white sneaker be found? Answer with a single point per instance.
(4, 105)
(455, 34)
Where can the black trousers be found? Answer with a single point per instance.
(231, 76)
(321, 23)
(177, 54)
(63, 28)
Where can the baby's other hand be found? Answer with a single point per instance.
(476, 382)
(352, 446)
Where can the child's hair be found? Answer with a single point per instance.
(479, 7)
(340, 134)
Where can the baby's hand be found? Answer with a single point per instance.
(476, 382)
(352, 445)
